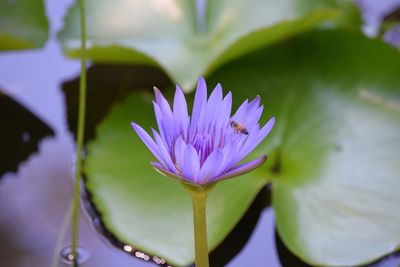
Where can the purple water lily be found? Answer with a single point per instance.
(207, 146)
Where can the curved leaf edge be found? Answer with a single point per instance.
(231, 52)
(372, 260)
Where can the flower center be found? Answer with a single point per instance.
(204, 145)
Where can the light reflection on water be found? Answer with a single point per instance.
(67, 257)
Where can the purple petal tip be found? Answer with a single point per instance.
(272, 120)
(158, 94)
(242, 169)
(134, 125)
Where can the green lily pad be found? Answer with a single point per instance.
(144, 209)
(23, 24)
(335, 166)
(165, 32)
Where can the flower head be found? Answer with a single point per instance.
(207, 146)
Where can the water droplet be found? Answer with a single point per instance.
(67, 257)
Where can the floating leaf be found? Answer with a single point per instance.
(23, 24)
(165, 33)
(21, 132)
(336, 165)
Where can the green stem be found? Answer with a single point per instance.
(199, 200)
(80, 133)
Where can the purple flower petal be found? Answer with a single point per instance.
(148, 141)
(225, 110)
(160, 122)
(159, 168)
(164, 151)
(223, 118)
(241, 169)
(164, 171)
(163, 105)
(254, 104)
(162, 102)
(262, 134)
(254, 117)
(200, 99)
(213, 106)
(227, 153)
(165, 115)
(241, 112)
(180, 112)
(179, 150)
(191, 167)
(209, 168)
